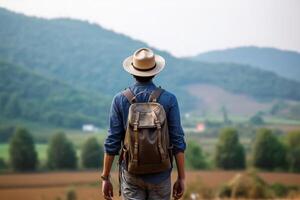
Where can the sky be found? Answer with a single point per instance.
(183, 27)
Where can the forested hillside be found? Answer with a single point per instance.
(27, 95)
(80, 62)
(284, 63)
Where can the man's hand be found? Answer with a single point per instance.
(107, 190)
(178, 188)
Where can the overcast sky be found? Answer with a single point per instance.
(183, 27)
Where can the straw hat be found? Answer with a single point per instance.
(144, 63)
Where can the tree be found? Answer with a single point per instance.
(23, 156)
(3, 164)
(268, 153)
(225, 115)
(293, 150)
(91, 154)
(194, 156)
(256, 120)
(229, 153)
(61, 153)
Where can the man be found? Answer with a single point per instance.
(144, 65)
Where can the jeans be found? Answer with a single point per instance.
(134, 188)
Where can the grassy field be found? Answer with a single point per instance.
(77, 138)
(40, 148)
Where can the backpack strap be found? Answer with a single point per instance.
(155, 94)
(129, 95)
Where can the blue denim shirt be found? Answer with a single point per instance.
(118, 119)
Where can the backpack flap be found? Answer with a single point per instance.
(147, 115)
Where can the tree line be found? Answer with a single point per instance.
(61, 153)
(267, 152)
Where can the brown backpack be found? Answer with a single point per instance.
(146, 146)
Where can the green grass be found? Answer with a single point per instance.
(77, 139)
(4, 151)
(208, 144)
(40, 148)
(242, 119)
(282, 121)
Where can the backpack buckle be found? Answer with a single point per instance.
(157, 123)
(135, 126)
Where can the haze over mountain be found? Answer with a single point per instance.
(283, 63)
(88, 59)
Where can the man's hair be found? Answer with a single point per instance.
(143, 79)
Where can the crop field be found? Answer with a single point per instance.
(55, 185)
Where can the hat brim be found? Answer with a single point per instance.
(159, 61)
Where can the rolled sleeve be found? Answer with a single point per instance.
(116, 130)
(175, 128)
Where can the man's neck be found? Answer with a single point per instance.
(143, 83)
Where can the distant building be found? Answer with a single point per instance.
(200, 127)
(89, 128)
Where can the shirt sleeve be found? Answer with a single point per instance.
(175, 128)
(116, 130)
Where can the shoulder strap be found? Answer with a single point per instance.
(129, 95)
(155, 94)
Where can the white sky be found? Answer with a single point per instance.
(183, 27)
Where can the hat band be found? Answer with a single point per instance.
(143, 69)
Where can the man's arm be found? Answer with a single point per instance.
(179, 157)
(177, 140)
(107, 188)
(107, 163)
(178, 187)
(112, 146)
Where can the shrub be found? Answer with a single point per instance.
(71, 194)
(224, 191)
(257, 120)
(293, 150)
(268, 153)
(61, 153)
(3, 165)
(247, 185)
(92, 154)
(279, 190)
(194, 156)
(23, 156)
(229, 153)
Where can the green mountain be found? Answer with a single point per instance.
(28, 95)
(87, 59)
(283, 63)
